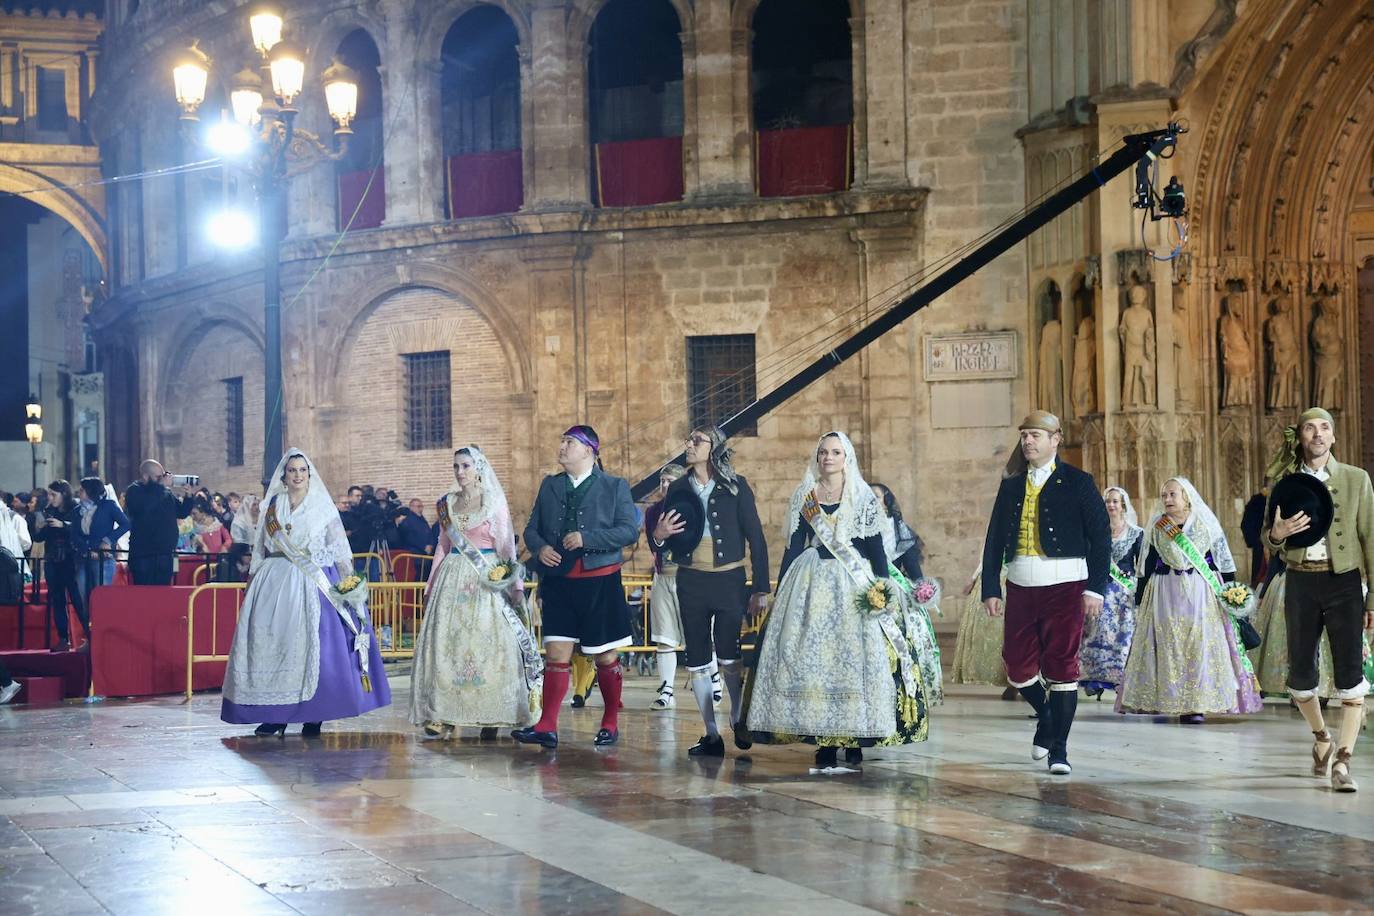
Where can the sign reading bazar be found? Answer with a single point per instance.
(970, 357)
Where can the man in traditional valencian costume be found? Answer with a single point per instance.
(583, 519)
(709, 519)
(1320, 521)
(1049, 528)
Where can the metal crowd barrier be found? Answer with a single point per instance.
(397, 610)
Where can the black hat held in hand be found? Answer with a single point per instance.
(1300, 492)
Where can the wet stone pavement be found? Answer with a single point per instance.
(157, 807)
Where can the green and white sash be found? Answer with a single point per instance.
(299, 557)
(530, 661)
(1121, 578)
(1190, 552)
(1194, 556)
(861, 573)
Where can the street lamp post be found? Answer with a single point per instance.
(263, 103)
(33, 431)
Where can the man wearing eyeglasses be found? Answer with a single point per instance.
(709, 518)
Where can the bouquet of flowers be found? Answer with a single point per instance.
(503, 575)
(879, 598)
(351, 590)
(1238, 599)
(926, 592)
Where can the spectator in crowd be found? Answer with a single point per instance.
(153, 513)
(364, 524)
(210, 534)
(61, 536)
(412, 531)
(14, 533)
(220, 506)
(103, 523)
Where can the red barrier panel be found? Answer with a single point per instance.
(803, 160)
(353, 187)
(139, 644)
(35, 615)
(636, 173)
(483, 184)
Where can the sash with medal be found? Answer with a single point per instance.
(861, 573)
(299, 557)
(1120, 577)
(530, 659)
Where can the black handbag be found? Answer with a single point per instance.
(1249, 636)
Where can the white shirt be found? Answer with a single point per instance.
(704, 492)
(1035, 572)
(14, 533)
(577, 481)
(1318, 552)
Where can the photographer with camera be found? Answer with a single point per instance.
(153, 511)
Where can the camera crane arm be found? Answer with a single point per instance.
(1143, 149)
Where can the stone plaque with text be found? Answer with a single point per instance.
(971, 357)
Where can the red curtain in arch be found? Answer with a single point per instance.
(484, 184)
(354, 189)
(637, 173)
(802, 160)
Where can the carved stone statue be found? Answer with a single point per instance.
(1237, 357)
(1051, 388)
(1328, 357)
(1185, 369)
(1137, 332)
(1284, 356)
(1085, 368)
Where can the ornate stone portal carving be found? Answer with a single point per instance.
(1137, 332)
(1328, 357)
(1237, 357)
(1050, 391)
(1281, 338)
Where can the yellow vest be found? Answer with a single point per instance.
(1028, 539)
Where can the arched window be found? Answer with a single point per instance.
(479, 98)
(361, 175)
(635, 103)
(803, 96)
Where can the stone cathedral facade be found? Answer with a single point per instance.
(638, 213)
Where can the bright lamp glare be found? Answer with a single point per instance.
(232, 230)
(228, 138)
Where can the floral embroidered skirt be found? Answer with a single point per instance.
(1184, 655)
(1107, 639)
(978, 650)
(467, 662)
(826, 673)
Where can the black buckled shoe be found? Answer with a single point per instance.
(708, 746)
(854, 755)
(605, 737)
(267, 729)
(744, 738)
(530, 736)
(311, 729)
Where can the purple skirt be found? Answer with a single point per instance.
(340, 693)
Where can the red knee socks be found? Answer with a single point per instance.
(610, 679)
(556, 678)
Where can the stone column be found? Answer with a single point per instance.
(718, 115)
(406, 87)
(557, 145)
(880, 113)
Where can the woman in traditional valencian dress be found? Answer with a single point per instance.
(905, 553)
(828, 673)
(1107, 637)
(302, 651)
(476, 662)
(1185, 659)
(978, 646)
